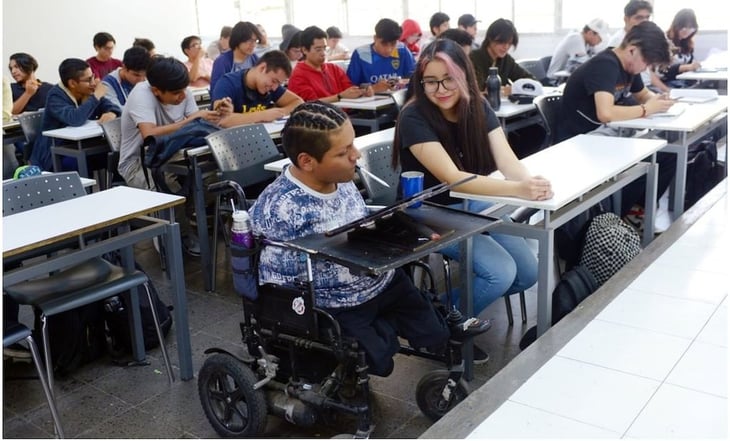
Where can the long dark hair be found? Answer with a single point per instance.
(685, 18)
(469, 149)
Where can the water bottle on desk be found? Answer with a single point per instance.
(494, 86)
(241, 233)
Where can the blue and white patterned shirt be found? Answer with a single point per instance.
(288, 209)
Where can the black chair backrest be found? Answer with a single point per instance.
(546, 62)
(548, 106)
(31, 123)
(241, 152)
(376, 158)
(534, 67)
(32, 192)
(113, 133)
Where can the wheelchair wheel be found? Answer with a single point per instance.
(429, 394)
(232, 406)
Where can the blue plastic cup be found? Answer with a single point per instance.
(411, 182)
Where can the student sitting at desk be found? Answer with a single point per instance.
(448, 132)
(383, 62)
(102, 63)
(257, 93)
(317, 194)
(314, 79)
(198, 65)
(161, 105)
(595, 91)
(133, 70)
(244, 37)
(28, 92)
(78, 98)
(681, 33)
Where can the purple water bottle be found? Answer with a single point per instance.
(241, 233)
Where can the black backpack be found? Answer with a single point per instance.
(76, 337)
(116, 315)
(703, 171)
(574, 286)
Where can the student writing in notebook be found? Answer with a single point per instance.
(448, 131)
(316, 194)
(595, 93)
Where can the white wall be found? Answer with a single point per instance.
(43, 29)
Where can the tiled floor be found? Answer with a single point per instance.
(651, 363)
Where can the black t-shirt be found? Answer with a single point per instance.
(37, 101)
(414, 129)
(602, 73)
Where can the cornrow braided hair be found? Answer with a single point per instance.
(309, 127)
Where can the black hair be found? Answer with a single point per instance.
(168, 74)
(308, 129)
(652, 42)
(102, 38)
(71, 69)
(226, 32)
(145, 43)
(460, 36)
(187, 41)
(242, 32)
(334, 32)
(684, 18)
(25, 62)
(501, 31)
(635, 6)
(388, 30)
(275, 60)
(308, 35)
(437, 20)
(469, 148)
(136, 58)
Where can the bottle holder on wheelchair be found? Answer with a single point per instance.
(244, 262)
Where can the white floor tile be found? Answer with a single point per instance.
(703, 368)
(690, 255)
(660, 313)
(514, 420)
(703, 286)
(716, 330)
(627, 349)
(675, 412)
(594, 395)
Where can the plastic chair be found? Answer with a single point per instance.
(31, 123)
(548, 106)
(87, 282)
(240, 153)
(113, 135)
(376, 159)
(535, 67)
(17, 333)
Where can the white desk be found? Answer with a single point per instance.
(360, 142)
(582, 170)
(692, 125)
(373, 114)
(714, 75)
(88, 138)
(30, 230)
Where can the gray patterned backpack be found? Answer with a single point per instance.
(610, 243)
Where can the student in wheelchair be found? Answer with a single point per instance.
(317, 194)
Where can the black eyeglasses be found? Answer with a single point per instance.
(89, 80)
(432, 86)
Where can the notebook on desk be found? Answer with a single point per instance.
(676, 110)
(362, 99)
(694, 96)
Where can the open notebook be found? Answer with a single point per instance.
(693, 95)
(676, 110)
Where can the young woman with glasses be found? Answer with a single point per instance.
(448, 131)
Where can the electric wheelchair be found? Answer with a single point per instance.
(300, 366)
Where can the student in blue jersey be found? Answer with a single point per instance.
(133, 70)
(315, 194)
(383, 62)
(244, 38)
(258, 94)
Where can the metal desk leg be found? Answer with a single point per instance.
(545, 279)
(650, 201)
(680, 177)
(206, 262)
(466, 273)
(138, 351)
(175, 269)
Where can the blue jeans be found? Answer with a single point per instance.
(503, 264)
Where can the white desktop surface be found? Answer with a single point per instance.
(577, 165)
(91, 129)
(50, 223)
(375, 104)
(688, 121)
(717, 75)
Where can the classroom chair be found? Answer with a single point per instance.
(31, 123)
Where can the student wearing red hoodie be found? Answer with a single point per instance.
(411, 35)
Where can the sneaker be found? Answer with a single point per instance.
(18, 353)
(191, 245)
(635, 218)
(480, 356)
(470, 328)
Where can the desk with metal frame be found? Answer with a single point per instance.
(696, 122)
(114, 208)
(375, 112)
(369, 258)
(89, 141)
(583, 171)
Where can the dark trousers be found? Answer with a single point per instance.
(400, 310)
(634, 193)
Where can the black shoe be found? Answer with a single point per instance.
(470, 328)
(480, 357)
(191, 245)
